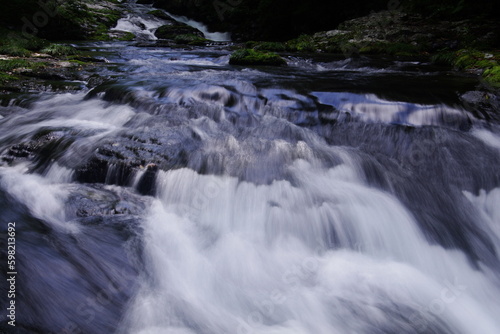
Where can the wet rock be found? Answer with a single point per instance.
(147, 183)
(380, 31)
(98, 200)
(33, 150)
(140, 152)
(254, 57)
(483, 104)
(174, 30)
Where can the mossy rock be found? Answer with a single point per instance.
(492, 76)
(16, 45)
(467, 60)
(304, 43)
(124, 36)
(4, 77)
(486, 64)
(7, 65)
(59, 50)
(171, 31)
(14, 51)
(190, 39)
(254, 57)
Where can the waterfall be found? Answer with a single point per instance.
(144, 25)
(213, 36)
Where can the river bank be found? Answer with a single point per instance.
(468, 45)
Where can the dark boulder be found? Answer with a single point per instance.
(174, 30)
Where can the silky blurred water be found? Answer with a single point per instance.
(329, 196)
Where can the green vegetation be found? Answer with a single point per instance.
(7, 66)
(127, 37)
(473, 60)
(467, 59)
(15, 51)
(61, 20)
(190, 39)
(254, 57)
(444, 58)
(59, 50)
(4, 77)
(13, 44)
(11, 64)
(304, 43)
(492, 76)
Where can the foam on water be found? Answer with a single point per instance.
(489, 138)
(140, 26)
(213, 36)
(370, 107)
(315, 256)
(44, 199)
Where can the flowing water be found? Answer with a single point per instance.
(185, 195)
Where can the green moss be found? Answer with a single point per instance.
(165, 32)
(466, 59)
(127, 37)
(110, 15)
(492, 76)
(190, 39)
(13, 44)
(254, 57)
(304, 43)
(444, 58)
(486, 64)
(171, 31)
(77, 62)
(15, 51)
(4, 77)
(11, 64)
(473, 60)
(101, 33)
(60, 50)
